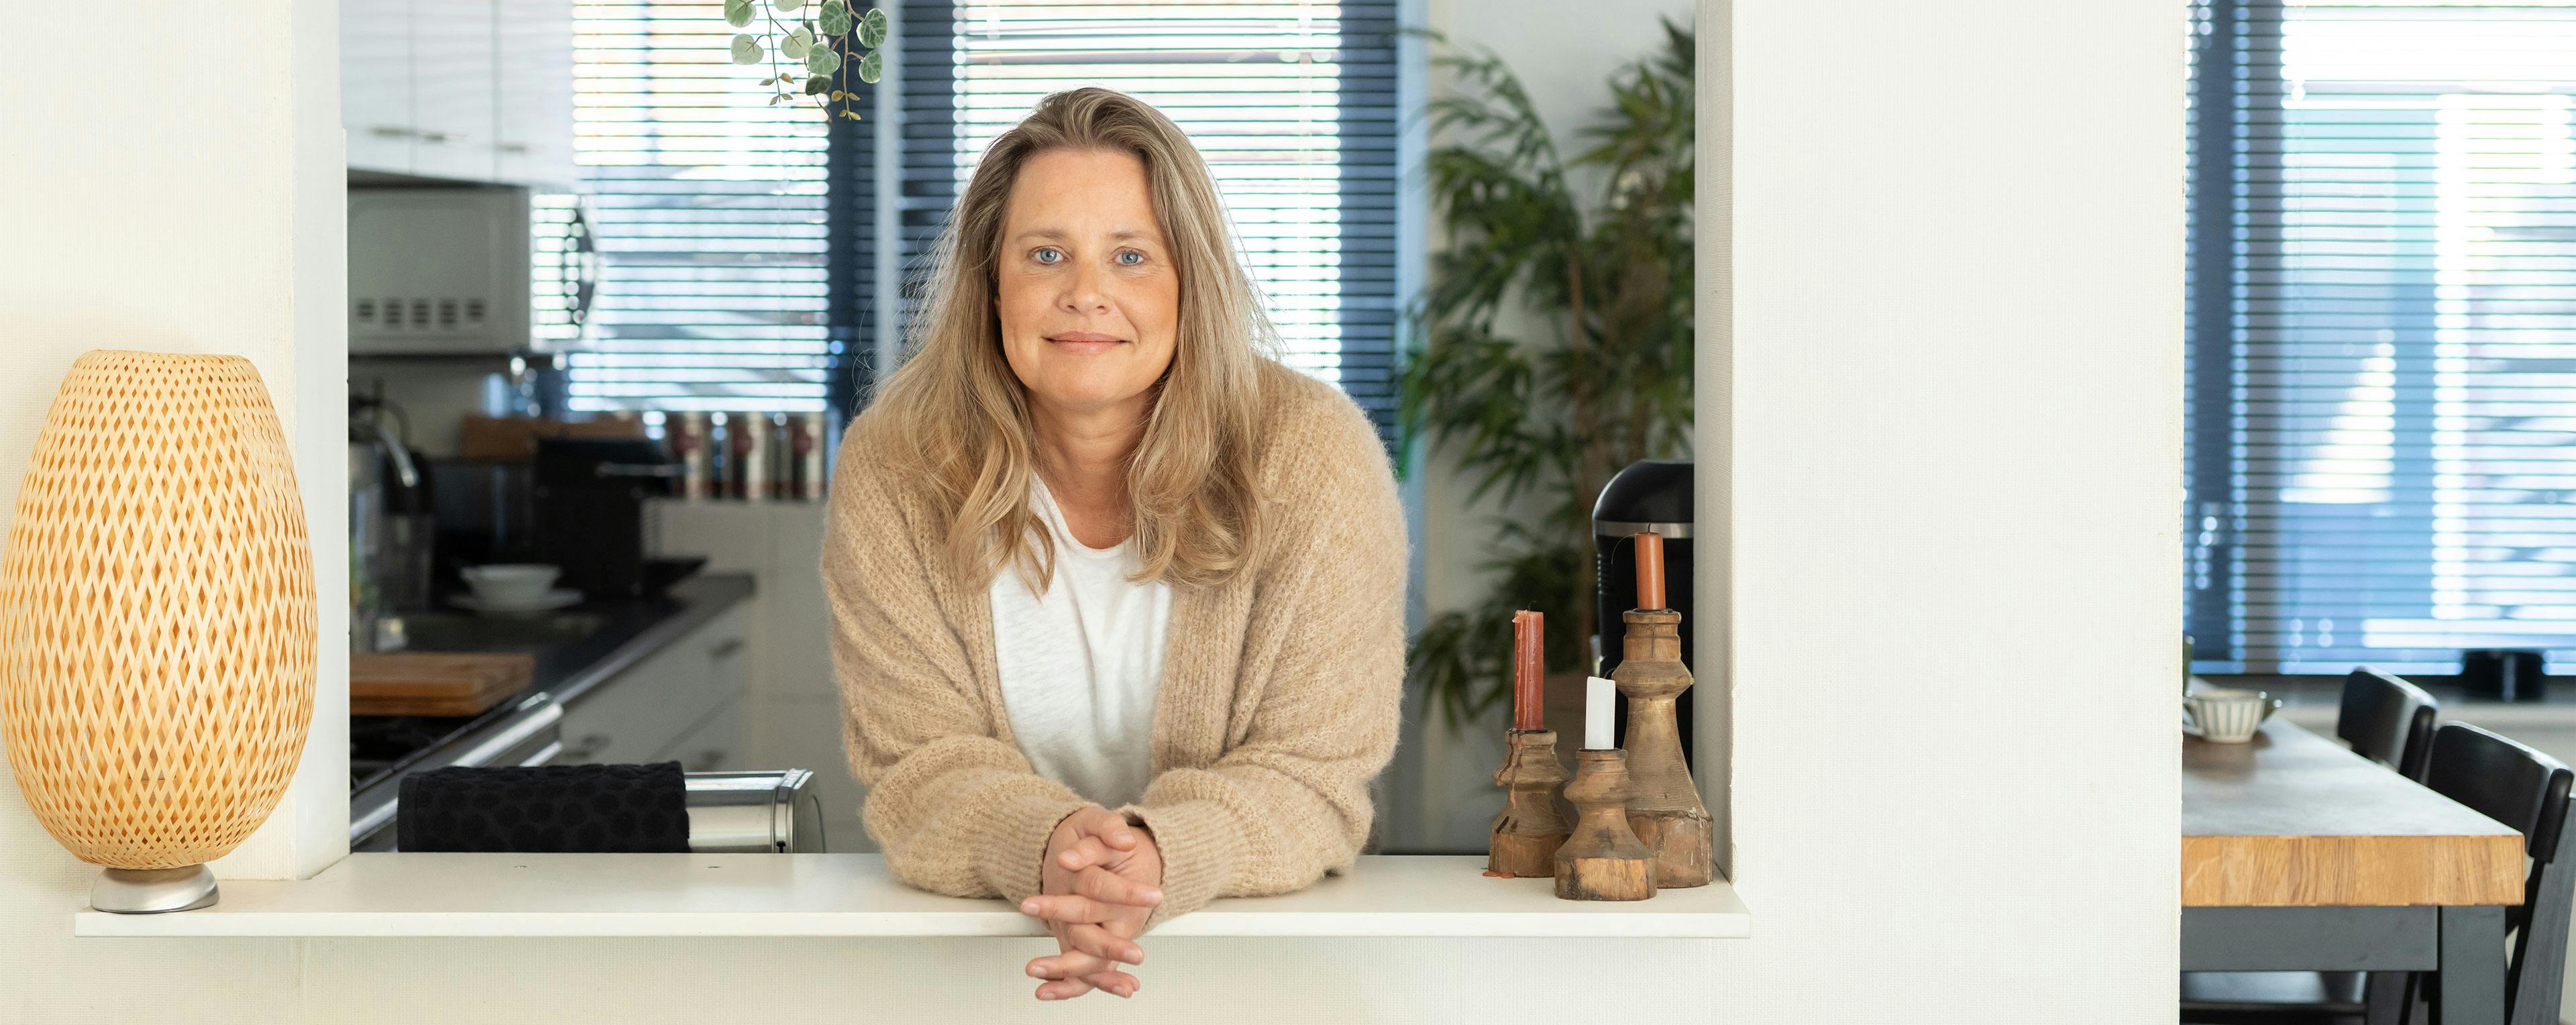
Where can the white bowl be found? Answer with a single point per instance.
(508, 584)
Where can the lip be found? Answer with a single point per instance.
(1079, 337)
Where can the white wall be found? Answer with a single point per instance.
(183, 194)
(1952, 350)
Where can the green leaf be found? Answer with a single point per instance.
(851, 114)
(872, 29)
(822, 61)
(746, 50)
(738, 13)
(796, 44)
(787, 6)
(818, 85)
(835, 18)
(871, 67)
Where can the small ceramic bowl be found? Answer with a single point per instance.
(2226, 715)
(507, 584)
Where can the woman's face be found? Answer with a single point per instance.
(1084, 282)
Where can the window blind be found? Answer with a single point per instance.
(2382, 333)
(708, 203)
(1293, 106)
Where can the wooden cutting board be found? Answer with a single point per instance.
(434, 682)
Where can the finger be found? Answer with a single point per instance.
(1062, 989)
(1067, 908)
(1084, 853)
(1072, 964)
(1115, 983)
(1109, 826)
(1103, 885)
(1097, 942)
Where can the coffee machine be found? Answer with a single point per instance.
(592, 516)
(1650, 494)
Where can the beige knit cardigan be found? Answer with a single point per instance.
(1278, 702)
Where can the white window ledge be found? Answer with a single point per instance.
(852, 895)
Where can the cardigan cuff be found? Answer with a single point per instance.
(1011, 842)
(1200, 844)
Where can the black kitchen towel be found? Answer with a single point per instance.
(585, 809)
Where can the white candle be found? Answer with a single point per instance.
(1597, 695)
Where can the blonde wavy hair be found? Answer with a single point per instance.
(953, 421)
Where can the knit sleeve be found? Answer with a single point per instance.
(1290, 801)
(957, 810)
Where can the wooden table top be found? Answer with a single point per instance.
(2292, 819)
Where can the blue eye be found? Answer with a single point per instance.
(1050, 254)
(1125, 253)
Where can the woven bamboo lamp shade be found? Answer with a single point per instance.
(156, 621)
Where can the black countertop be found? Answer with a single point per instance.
(382, 747)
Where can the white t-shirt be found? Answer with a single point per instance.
(1080, 663)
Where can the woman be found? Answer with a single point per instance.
(1117, 598)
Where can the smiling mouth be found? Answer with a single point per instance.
(1083, 338)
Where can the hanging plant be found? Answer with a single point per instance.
(811, 49)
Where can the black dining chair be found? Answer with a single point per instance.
(2503, 780)
(2527, 790)
(2386, 720)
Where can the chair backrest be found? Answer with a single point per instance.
(2527, 790)
(2387, 720)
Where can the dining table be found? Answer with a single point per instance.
(2299, 855)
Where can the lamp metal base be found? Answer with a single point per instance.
(152, 891)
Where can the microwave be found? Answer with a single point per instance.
(467, 271)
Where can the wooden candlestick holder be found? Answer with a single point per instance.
(1531, 828)
(1665, 809)
(1603, 860)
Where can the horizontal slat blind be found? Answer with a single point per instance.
(2400, 339)
(1292, 105)
(708, 203)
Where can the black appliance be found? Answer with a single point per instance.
(1651, 494)
(591, 518)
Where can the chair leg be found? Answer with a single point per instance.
(2385, 995)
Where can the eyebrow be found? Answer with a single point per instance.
(1059, 233)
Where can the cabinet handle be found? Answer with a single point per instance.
(514, 147)
(433, 137)
(584, 749)
(391, 132)
(725, 649)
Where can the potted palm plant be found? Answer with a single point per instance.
(1543, 420)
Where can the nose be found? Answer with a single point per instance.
(1082, 293)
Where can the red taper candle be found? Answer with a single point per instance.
(1529, 668)
(1650, 570)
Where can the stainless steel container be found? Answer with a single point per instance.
(773, 812)
(687, 435)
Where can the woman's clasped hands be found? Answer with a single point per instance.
(1102, 879)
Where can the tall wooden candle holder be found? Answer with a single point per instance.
(1665, 809)
(1603, 860)
(1530, 828)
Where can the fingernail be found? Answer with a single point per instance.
(1029, 907)
(1153, 896)
(1034, 973)
(1126, 837)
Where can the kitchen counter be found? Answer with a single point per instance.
(385, 748)
(853, 895)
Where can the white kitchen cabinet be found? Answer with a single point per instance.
(534, 94)
(464, 90)
(375, 83)
(713, 745)
(644, 713)
(452, 89)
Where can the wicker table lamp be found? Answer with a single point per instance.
(156, 622)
